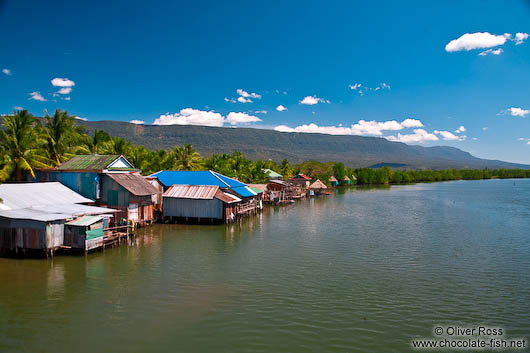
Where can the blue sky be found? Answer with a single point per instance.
(425, 69)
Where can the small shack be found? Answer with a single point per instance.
(300, 180)
(132, 194)
(317, 187)
(347, 180)
(354, 179)
(32, 216)
(333, 181)
(199, 203)
(85, 233)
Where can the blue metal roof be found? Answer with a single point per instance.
(244, 191)
(207, 177)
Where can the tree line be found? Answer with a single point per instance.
(28, 143)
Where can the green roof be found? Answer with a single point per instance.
(84, 221)
(271, 173)
(257, 191)
(88, 162)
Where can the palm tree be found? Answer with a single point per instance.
(100, 143)
(23, 145)
(120, 146)
(63, 137)
(186, 158)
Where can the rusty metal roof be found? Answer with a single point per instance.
(134, 183)
(226, 197)
(205, 192)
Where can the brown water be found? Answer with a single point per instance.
(363, 270)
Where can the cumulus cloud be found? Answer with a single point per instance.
(520, 38)
(361, 89)
(36, 96)
(245, 94)
(190, 116)
(62, 82)
(312, 100)
(18, 108)
(419, 135)
(460, 129)
(261, 112)
(514, 111)
(362, 127)
(478, 40)
(241, 118)
(280, 108)
(65, 90)
(449, 136)
(137, 122)
(6, 72)
(244, 100)
(231, 100)
(498, 51)
(80, 118)
(408, 123)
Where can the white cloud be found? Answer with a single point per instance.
(36, 96)
(280, 108)
(80, 118)
(478, 40)
(245, 94)
(513, 111)
(231, 100)
(244, 100)
(261, 112)
(18, 108)
(484, 128)
(7, 72)
(460, 129)
(362, 127)
(498, 51)
(520, 38)
(65, 90)
(241, 118)
(419, 135)
(407, 123)
(361, 89)
(66, 98)
(137, 122)
(62, 82)
(449, 136)
(312, 100)
(190, 116)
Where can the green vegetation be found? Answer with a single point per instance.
(27, 143)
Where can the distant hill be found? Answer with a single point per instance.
(356, 151)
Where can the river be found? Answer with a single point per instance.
(364, 270)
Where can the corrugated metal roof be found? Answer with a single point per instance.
(204, 192)
(244, 191)
(54, 212)
(134, 183)
(207, 177)
(17, 196)
(226, 197)
(301, 176)
(271, 173)
(333, 179)
(88, 162)
(259, 188)
(85, 221)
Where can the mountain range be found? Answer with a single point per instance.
(355, 151)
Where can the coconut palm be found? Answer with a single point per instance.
(186, 158)
(63, 137)
(22, 142)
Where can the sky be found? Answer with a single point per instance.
(453, 73)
